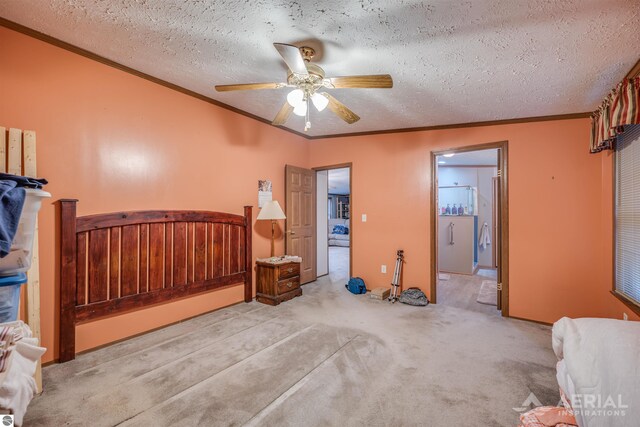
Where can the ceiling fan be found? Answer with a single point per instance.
(308, 82)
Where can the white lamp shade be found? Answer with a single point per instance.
(271, 210)
(295, 97)
(300, 109)
(319, 101)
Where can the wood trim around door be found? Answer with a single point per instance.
(342, 166)
(503, 272)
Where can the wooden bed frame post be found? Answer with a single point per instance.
(67, 279)
(248, 280)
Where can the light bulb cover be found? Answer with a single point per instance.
(319, 101)
(295, 97)
(300, 109)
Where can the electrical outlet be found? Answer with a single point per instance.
(364, 217)
(383, 269)
(624, 316)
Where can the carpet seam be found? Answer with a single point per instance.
(161, 343)
(332, 355)
(176, 396)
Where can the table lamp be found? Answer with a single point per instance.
(272, 211)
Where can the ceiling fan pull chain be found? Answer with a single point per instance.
(307, 125)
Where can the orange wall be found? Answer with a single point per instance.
(118, 142)
(560, 264)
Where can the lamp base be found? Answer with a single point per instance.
(273, 241)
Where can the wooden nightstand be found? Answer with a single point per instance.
(276, 283)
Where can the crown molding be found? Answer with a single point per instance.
(462, 125)
(95, 57)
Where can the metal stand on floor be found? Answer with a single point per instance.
(395, 286)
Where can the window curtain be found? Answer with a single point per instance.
(621, 107)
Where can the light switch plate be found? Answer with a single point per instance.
(383, 269)
(364, 217)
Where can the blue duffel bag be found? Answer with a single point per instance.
(356, 286)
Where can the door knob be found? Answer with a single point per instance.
(290, 232)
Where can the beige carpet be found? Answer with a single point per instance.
(328, 358)
(488, 293)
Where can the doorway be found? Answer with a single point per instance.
(469, 228)
(334, 220)
(308, 198)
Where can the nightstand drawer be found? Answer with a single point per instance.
(289, 270)
(287, 285)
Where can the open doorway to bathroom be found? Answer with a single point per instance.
(469, 228)
(334, 221)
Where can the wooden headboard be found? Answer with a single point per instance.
(115, 262)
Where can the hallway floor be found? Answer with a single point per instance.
(338, 262)
(461, 291)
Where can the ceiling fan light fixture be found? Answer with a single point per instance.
(295, 97)
(300, 109)
(319, 101)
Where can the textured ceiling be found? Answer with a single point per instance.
(451, 61)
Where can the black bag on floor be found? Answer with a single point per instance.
(413, 296)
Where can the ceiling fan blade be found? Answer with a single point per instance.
(283, 115)
(292, 57)
(340, 110)
(249, 86)
(378, 81)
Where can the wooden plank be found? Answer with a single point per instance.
(143, 284)
(209, 250)
(29, 150)
(33, 282)
(190, 252)
(81, 269)
(14, 165)
(234, 249)
(226, 251)
(3, 149)
(114, 263)
(67, 338)
(98, 265)
(200, 256)
(120, 219)
(242, 252)
(179, 253)
(248, 254)
(168, 255)
(129, 261)
(156, 256)
(106, 308)
(218, 250)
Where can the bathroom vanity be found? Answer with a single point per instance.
(457, 243)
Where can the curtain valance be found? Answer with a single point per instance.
(621, 107)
